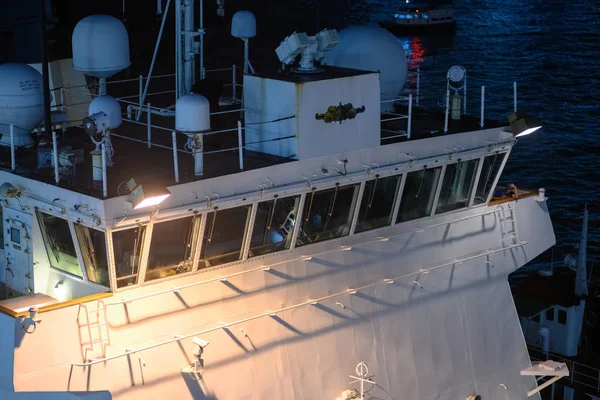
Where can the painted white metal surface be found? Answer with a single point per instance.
(21, 103)
(267, 100)
(421, 342)
(100, 46)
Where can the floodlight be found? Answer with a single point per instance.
(152, 197)
(522, 124)
(200, 342)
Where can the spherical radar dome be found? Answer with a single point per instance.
(100, 46)
(21, 103)
(243, 25)
(372, 48)
(192, 114)
(111, 109)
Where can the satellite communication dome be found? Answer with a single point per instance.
(243, 25)
(372, 48)
(100, 46)
(192, 114)
(21, 103)
(109, 106)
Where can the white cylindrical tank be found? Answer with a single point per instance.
(243, 25)
(21, 103)
(109, 106)
(100, 46)
(371, 48)
(192, 114)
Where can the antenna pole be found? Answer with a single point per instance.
(45, 77)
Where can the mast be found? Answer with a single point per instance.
(581, 288)
(45, 77)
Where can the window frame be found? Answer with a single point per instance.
(303, 192)
(80, 256)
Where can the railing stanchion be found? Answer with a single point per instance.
(175, 163)
(515, 96)
(482, 105)
(149, 120)
(409, 123)
(55, 155)
(240, 145)
(234, 83)
(418, 85)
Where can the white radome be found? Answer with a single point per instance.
(192, 114)
(21, 103)
(100, 46)
(372, 48)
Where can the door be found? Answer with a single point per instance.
(18, 249)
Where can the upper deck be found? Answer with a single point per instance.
(152, 151)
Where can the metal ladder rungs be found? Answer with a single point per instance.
(97, 325)
(98, 341)
(95, 310)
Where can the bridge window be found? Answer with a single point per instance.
(59, 243)
(377, 203)
(327, 214)
(489, 172)
(224, 236)
(172, 247)
(92, 244)
(550, 314)
(419, 194)
(274, 225)
(457, 186)
(127, 245)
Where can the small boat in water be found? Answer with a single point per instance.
(421, 18)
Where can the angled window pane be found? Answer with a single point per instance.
(127, 248)
(327, 214)
(457, 186)
(224, 236)
(59, 243)
(377, 203)
(92, 244)
(489, 171)
(172, 247)
(274, 225)
(419, 194)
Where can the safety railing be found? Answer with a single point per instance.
(580, 374)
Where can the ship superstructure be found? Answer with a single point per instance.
(162, 270)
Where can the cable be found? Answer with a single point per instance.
(268, 122)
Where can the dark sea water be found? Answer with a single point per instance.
(550, 48)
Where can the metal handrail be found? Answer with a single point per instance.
(349, 291)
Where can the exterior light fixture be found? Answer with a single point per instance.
(148, 197)
(522, 124)
(59, 284)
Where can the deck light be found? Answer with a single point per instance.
(58, 285)
(522, 124)
(142, 198)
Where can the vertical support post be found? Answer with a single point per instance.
(177, 48)
(101, 86)
(482, 105)
(409, 123)
(418, 85)
(447, 110)
(140, 93)
(240, 145)
(234, 82)
(104, 183)
(55, 156)
(12, 148)
(201, 17)
(515, 96)
(159, 9)
(45, 72)
(149, 127)
(465, 96)
(246, 55)
(62, 98)
(188, 54)
(175, 162)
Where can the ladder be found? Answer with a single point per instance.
(508, 224)
(96, 328)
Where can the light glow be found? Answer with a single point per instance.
(151, 201)
(528, 131)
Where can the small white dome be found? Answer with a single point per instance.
(21, 103)
(192, 114)
(100, 46)
(109, 106)
(243, 25)
(372, 48)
